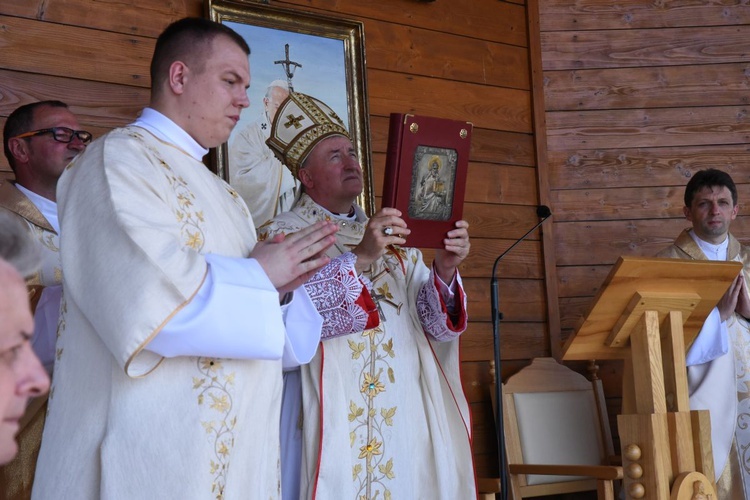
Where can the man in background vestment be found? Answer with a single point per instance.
(719, 358)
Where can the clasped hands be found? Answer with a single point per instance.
(290, 260)
(735, 299)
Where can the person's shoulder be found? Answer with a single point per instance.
(117, 137)
(10, 210)
(123, 145)
(744, 249)
(14, 202)
(8, 190)
(248, 132)
(130, 134)
(285, 222)
(676, 250)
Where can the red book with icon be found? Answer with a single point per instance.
(425, 174)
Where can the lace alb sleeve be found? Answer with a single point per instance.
(341, 298)
(434, 315)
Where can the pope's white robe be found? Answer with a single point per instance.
(265, 184)
(385, 415)
(719, 377)
(137, 216)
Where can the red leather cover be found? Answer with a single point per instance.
(425, 174)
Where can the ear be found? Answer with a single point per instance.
(688, 215)
(305, 178)
(19, 148)
(735, 211)
(178, 76)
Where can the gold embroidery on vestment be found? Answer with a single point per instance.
(214, 389)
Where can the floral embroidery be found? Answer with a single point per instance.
(237, 200)
(60, 326)
(59, 347)
(191, 219)
(368, 419)
(214, 387)
(50, 272)
(372, 408)
(740, 339)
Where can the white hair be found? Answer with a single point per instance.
(282, 84)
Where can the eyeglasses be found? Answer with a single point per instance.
(60, 134)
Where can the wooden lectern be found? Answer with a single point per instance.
(646, 313)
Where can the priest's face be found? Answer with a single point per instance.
(47, 157)
(21, 374)
(215, 94)
(711, 212)
(332, 175)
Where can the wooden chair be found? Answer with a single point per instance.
(556, 433)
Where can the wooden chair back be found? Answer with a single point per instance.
(556, 432)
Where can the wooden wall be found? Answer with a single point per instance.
(638, 95)
(467, 59)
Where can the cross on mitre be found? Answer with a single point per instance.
(294, 121)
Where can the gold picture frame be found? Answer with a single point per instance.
(325, 56)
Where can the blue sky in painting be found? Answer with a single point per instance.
(322, 75)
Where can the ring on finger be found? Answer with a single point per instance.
(387, 230)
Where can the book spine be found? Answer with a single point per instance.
(392, 160)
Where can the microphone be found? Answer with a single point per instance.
(543, 212)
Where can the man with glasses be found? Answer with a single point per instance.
(39, 140)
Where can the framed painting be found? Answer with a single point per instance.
(302, 52)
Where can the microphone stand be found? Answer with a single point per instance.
(543, 212)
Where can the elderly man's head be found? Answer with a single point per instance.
(308, 137)
(276, 92)
(332, 175)
(21, 374)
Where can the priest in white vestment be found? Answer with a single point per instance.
(169, 359)
(384, 413)
(266, 185)
(719, 359)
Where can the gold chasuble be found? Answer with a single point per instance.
(385, 415)
(722, 385)
(123, 422)
(17, 476)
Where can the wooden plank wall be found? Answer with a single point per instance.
(639, 95)
(465, 59)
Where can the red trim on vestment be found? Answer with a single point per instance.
(460, 324)
(455, 401)
(393, 249)
(368, 305)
